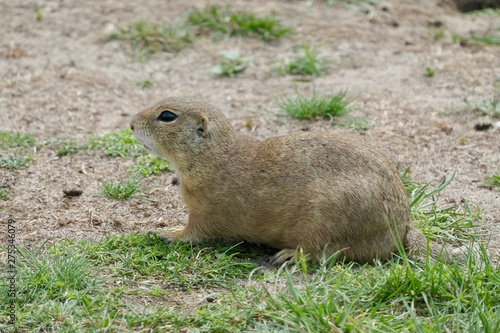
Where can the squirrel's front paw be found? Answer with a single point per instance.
(285, 255)
(170, 235)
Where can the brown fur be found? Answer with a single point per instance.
(319, 192)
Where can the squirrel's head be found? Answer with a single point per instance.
(180, 130)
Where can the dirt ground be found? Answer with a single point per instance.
(58, 79)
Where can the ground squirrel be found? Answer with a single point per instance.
(319, 192)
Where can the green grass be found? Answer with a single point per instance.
(38, 14)
(123, 144)
(232, 63)
(221, 21)
(146, 38)
(4, 194)
(308, 62)
(146, 83)
(15, 162)
(55, 273)
(486, 39)
(150, 165)
(16, 140)
(488, 107)
(16, 146)
(131, 282)
(492, 181)
(122, 189)
(409, 183)
(305, 108)
(390, 297)
(437, 33)
(139, 283)
(429, 72)
(486, 11)
(119, 143)
(489, 40)
(66, 147)
(178, 265)
(452, 223)
(113, 285)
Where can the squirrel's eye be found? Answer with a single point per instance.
(167, 116)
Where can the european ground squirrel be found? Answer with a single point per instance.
(319, 192)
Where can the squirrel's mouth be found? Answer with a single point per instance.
(150, 148)
(143, 140)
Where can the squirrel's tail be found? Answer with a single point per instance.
(416, 247)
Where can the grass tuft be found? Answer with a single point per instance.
(4, 194)
(489, 108)
(146, 38)
(150, 165)
(67, 147)
(15, 162)
(489, 40)
(227, 22)
(437, 33)
(486, 39)
(120, 143)
(231, 64)
(146, 83)
(16, 140)
(429, 72)
(446, 224)
(304, 108)
(38, 14)
(308, 62)
(408, 182)
(53, 273)
(492, 181)
(122, 189)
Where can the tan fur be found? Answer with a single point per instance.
(319, 192)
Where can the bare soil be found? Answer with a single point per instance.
(58, 79)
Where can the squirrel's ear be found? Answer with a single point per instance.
(202, 128)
